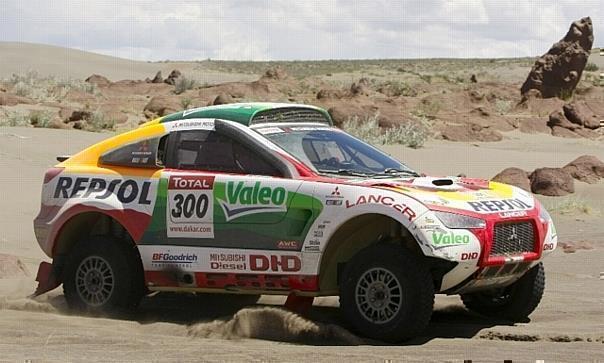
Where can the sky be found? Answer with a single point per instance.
(298, 30)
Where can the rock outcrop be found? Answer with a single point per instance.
(552, 182)
(586, 168)
(172, 77)
(579, 113)
(161, 106)
(514, 176)
(98, 80)
(557, 72)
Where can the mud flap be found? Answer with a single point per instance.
(46, 279)
(299, 304)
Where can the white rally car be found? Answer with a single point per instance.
(262, 198)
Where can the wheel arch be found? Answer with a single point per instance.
(356, 234)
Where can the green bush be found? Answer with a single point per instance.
(591, 67)
(183, 84)
(412, 134)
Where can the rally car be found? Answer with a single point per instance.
(263, 198)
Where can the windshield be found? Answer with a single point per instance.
(331, 151)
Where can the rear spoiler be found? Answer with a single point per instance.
(62, 158)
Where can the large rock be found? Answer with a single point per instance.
(558, 118)
(469, 132)
(158, 78)
(586, 168)
(172, 77)
(98, 80)
(514, 176)
(223, 99)
(533, 126)
(579, 113)
(562, 132)
(557, 72)
(161, 106)
(552, 182)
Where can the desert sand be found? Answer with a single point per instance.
(568, 326)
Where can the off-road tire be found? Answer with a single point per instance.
(126, 275)
(516, 302)
(416, 291)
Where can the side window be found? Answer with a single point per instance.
(141, 154)
(210, 151)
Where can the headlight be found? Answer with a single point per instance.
(545, 217)
(452, 220)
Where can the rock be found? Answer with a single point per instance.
(473, 78)
(8, 99)
(12, 266)
(514, 176)
(79, 115)
(587, 133)
(557, 118)
(562, 132)
(557, 72)
(339, 115)
(476, 96)
(469, 132)
(223, 99)
(329, 94)
(275, 73)
(553, 182)
(586, 168)
(579, 113)
(98, 80)
(158, 78)
(360, 88)
(534, 126)
(172, 77)
(57, 123)
(161, 106)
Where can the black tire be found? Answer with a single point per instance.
(86, 270)
(515, 302)
(415, 287)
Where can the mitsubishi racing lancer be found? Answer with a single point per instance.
(263, 198)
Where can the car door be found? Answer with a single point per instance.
(219, 193)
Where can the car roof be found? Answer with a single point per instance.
(253, 113)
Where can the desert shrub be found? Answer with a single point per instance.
(396, 88)
(570, 205)
(40, 118)
(183, 84)
(503, 106)
(99, 121)
(591, 67)
(427, 108)
(186, 102)
(31, 84)
(14, 118)
(412, 134)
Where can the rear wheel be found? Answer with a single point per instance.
(515, 302)
(103, 274)
(386, 293)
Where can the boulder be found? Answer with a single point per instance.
(172, 77)
(158, 78)
(223, 99)
(586, 168)
(588, 133)
(275, 74)
(558, 72)
(78, 115)
(553, 182)
(361, 87)
(161, 106)
(533, 126)
(514, 176)
(562, 132)
(558, 118)
(579, 113)
(98, 80)
(469, 132)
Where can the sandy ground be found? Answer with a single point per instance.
(568, 325)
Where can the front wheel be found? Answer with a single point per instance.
(386, 293)
(515, 302)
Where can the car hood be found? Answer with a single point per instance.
(467, 194)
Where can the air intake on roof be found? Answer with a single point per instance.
(291, 114)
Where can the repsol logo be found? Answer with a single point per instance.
(499, 205)
(126, 190)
